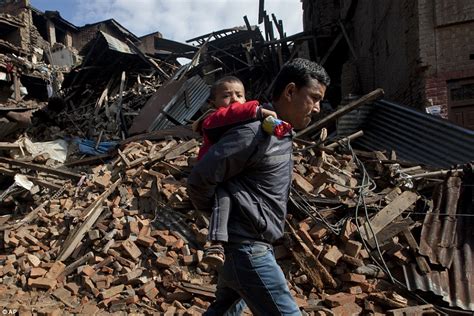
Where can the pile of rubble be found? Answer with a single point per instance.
(95, 216)
(122, 235)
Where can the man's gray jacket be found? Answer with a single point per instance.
(255, 169)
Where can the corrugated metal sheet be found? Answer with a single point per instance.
(187, 101)
(117, 45)
(354, 120)
(448, 284)
(447, 239)
(153, 107)
(438, 235)
(173, 104)
(415, 136)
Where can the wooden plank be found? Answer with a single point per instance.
(92, 213)
(124, 158)
(427, 309)
(388, 214)
(391, 230)
(370, 97)
(55, 171)
(181, 148)
(309, 263)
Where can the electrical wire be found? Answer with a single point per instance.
(366, 180)
(309, 209)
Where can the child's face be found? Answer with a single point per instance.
(228, 93)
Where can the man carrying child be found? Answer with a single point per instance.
(255, 169)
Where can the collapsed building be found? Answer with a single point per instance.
(95, 216)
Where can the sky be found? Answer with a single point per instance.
(177, 20)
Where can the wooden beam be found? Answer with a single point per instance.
(427, 309)
(261, 11)
(92, 213)
(27, 219)
(91, 160)
(278, 26)
(247, 23)
(345, 139)
(343, 29)
(43, 183)
(420, 260)
(55, 171)
(70, 268)
(8, 146)
(309, 263)
(370, 97)
(331, 48)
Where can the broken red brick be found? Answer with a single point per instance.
(131, 249)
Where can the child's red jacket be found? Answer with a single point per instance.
(222, 119)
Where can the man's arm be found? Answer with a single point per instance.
(224, 160)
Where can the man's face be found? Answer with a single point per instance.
(228, 93)
(303, 103)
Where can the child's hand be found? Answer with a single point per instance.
(274, 126)
(266, 113)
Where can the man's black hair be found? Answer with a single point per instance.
(300, 71)
(221, 81)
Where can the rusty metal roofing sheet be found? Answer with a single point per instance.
(117, 45)
(452, 285)
(447, 239)
(439, 234)
(415, 136)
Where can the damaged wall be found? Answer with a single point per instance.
(446, 51)
(384, 57)
(147, 42)
(19, 8)
(415, 50)
(386, 47)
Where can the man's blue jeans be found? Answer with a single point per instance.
(251, 273)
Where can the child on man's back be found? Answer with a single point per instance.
(227, 97)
